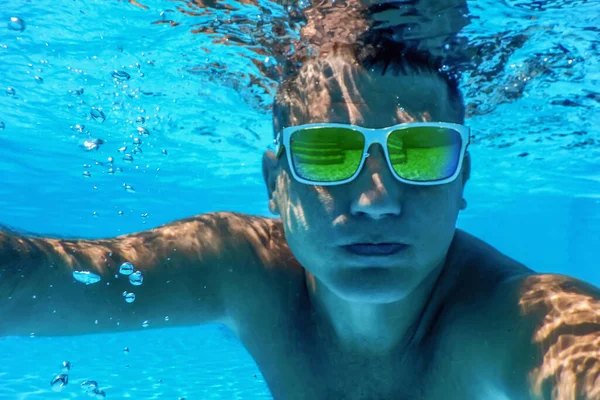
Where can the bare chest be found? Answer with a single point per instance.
(301, 367)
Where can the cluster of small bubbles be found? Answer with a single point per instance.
(120, 75)
(86, 277)
(128, 158)
(87, 174)
(143, 131)
(129, 297)
(92, 144)
(39, 79)
(59, 382)
(97, 114)
(129, 189)
(145, 324)
(16, 24)
(136, 279)
(11, 91)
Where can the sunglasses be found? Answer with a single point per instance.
(420, 153)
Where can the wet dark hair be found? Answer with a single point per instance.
(384, 55)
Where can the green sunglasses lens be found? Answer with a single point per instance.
(424, 154)
(326, 154)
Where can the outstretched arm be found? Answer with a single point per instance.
(185, 266)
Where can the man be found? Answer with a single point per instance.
(364, 289)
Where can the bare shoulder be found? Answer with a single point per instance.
(538, 334)
(554, 346)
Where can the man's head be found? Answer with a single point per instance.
(373, 87)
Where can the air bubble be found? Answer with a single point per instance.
(129, 189)
(137, 141)
(77, 92)
(87, 277)
(39, 79)
(120, 75)
(11, 91)
(78, 128)
(128, 158)
(16, 24)
(89, 386)
(143, 131)
(92, 144)
(130, 297)
(136, 279)
(126, 268)
(97, 115)
(145, 324)
(59, 382)
(65, 367)
(2, 125)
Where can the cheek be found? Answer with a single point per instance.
(436, 206)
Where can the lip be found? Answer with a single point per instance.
(374, 249)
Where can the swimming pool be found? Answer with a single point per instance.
(532, 94)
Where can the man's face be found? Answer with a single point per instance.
(374, 208)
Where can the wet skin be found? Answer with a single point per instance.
(447, 317)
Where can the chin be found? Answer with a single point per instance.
(373, 285)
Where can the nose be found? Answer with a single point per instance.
(376, 193)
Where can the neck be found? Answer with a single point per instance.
(369, 328)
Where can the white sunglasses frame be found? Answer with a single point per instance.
(374, 136)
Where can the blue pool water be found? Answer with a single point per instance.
(532, 91)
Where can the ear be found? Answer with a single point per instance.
(270, 169)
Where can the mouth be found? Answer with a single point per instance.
(375, 249)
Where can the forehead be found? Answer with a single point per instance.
(371, 99)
